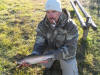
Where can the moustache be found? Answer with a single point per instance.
(51, 18)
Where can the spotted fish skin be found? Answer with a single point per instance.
(30, 59)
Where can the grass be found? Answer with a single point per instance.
(18, 22)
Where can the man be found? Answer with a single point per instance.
(57, 34)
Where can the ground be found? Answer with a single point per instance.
(18, 22)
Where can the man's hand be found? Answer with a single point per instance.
(24, 64)
(57, 54)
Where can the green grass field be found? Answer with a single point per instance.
(18, 22)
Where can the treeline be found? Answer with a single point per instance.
(92, 5)
(95, 4)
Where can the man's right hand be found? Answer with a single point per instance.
(24, 64)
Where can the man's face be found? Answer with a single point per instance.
(53, 16)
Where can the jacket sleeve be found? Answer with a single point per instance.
(40, 43)
(70, 46)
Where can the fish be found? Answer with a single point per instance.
(31, 59)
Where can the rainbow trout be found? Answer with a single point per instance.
(31, 59)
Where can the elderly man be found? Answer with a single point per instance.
(57, 34)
